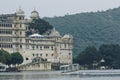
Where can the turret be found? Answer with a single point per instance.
(20, 14)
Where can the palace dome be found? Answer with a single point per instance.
(34, 14)
(36, 35)
(54, 33)
(67, 36)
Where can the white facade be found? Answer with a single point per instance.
(53, 47)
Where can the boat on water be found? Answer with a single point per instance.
(96, 72)
(73, 69)
(2, 67)
(69, 68)
(5, 68)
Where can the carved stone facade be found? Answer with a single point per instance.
(53, 47)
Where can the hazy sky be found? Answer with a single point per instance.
(48, 8)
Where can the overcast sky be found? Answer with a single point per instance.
(50, 8)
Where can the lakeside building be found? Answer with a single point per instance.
(37, 64)
(53, 47)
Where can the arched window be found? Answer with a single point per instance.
(20, 25)
(33, 55)
(46, 54)
(20, 46)
(52, 54)
(41, 54)
(20, 33)
(27, 58)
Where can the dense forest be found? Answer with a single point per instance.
(90, 29)
(107, 55)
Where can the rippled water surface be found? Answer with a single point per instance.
(33, 75)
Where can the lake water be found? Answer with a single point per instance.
(33, 75)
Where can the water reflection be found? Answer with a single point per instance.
(40, 76)
(29, 75)
(11, 77)
(52, 76)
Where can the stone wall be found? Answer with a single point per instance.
(38, 66)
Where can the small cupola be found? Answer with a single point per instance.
(20, 12)
(34, 14)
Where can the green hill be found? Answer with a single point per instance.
(90, 29)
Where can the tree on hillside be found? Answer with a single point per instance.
(40, 26)
(16, 58)
(111, 54)
(88, 56)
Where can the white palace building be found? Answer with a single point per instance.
(53, 47)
